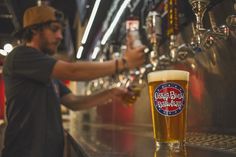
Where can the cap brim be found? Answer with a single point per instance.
(19, 32)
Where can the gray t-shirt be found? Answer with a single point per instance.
(32, 105)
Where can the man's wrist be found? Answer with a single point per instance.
(122, 65)
(125, 63)
(116, 66)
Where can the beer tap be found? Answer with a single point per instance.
(164, 61)
(205, 38)
(178, 52)
(217, 33)
(184, 51)
(199, 9)
(231, 20)
(173, 48)
(154, 35)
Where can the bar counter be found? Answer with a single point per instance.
(130, 140)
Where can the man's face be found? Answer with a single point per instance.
(51, 37)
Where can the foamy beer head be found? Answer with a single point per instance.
(167, 75)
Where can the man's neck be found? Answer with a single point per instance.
(33, 45)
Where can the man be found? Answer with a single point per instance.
(34, 94)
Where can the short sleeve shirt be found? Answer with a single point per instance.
(33, 105)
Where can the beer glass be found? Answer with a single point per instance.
(166, 152)
(135, 90)
(168, 92)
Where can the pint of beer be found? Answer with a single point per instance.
(168, 92)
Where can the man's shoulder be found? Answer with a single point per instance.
(18, 52)
(23, 49)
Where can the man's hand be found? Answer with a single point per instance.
(134, 56)
(123, 95)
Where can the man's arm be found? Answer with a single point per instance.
(89, 70)
(76, 103)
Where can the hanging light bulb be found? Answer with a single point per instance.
(8, 47)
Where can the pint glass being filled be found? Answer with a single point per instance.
(168, 92)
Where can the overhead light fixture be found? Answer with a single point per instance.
(95, 52)
(3, 52)
(114, 22)
(90, 22)
(8, 47)
(79, 52)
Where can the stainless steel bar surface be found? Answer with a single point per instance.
(109, 140)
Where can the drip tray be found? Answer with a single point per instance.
(212, 141)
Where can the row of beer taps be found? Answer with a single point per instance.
(201, 40)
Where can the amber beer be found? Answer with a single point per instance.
(168, 91)
(135, 90)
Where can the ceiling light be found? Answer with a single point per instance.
(3, 52)
(114, 22)
(90, 22)
(95, 52)
(79, 52)
(8, 47)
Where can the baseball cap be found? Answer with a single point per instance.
(37, 15)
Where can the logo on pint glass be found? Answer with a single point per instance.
(169, 99)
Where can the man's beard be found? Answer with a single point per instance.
(47, 50)
(45, 46)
